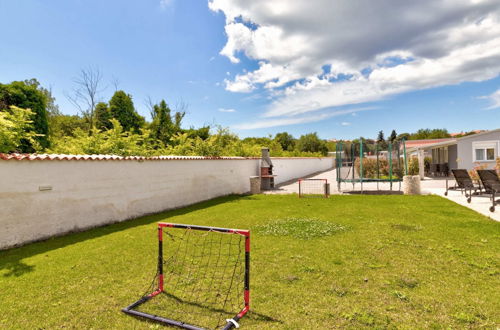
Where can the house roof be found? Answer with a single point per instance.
(479, 134)
(421, 143)
(445, 142)
(476, 131)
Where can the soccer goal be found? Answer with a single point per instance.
(314, 188)
(202, 279)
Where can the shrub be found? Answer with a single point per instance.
(473, 173)
(427, 164)
(413, 166)
(370, 168)
(16, 129)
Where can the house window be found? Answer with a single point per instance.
(440, 155)
(485, 151)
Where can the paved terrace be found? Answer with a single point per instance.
(429, 186)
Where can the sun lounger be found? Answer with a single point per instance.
(464, 184)
(491, 184)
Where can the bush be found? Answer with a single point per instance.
(370, 168)
(473, 173)
(16, 129)
(413, 166)
(427, 164)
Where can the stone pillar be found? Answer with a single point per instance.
(255, 185)
(411, 185)
(421, 164)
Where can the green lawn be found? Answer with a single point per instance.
(379, 262)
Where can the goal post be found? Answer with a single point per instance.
(202, 279)
(314, 188)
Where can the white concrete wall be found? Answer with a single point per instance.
(288, 169)
(86, 194)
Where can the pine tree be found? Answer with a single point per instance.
(162, 125)
(393, 136)
(122, 109)
(381, 140)
(102, 116)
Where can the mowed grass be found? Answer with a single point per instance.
(365, 262)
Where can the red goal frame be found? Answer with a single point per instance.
(246, 297)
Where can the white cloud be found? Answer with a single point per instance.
(345, 123)
(226, 110)
(494, 99)
(166, 3)
(310, 118)
(371, 49)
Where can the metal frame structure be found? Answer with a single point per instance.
(325, 193)
(464, 184)
(231, 322)
(491, 184)
(352, 159)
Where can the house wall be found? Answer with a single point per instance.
(89, 193)
(464, 149)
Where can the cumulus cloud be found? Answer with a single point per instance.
(226, 110)
(317, 54)
(345, 123)
(494, 99)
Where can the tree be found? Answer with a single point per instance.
(66, 125)
(122, 109)
(86, 93)
(27, 95)
(427, 133)
(393, 136)
(286, 141)
(402, 136)
(162, 125)
(381, 140)
(15, 129)
(165, 124)
(202, 132)
(312, 143)
(102, 116)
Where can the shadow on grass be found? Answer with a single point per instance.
(374, 192)
(11, 260)
(253, 315)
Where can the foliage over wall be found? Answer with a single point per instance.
(28, 94)
(116, 141)
(16, 130)
(31, 122)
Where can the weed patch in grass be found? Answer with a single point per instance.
(302, 228)
(406, 227)
(400, 295)
(409, 283)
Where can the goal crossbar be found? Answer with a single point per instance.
(230, 323)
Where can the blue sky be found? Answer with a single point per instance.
(266, 67)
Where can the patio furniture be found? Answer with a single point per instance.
(491, 184)
(463, 183)
(433, 169)
(443, 169)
